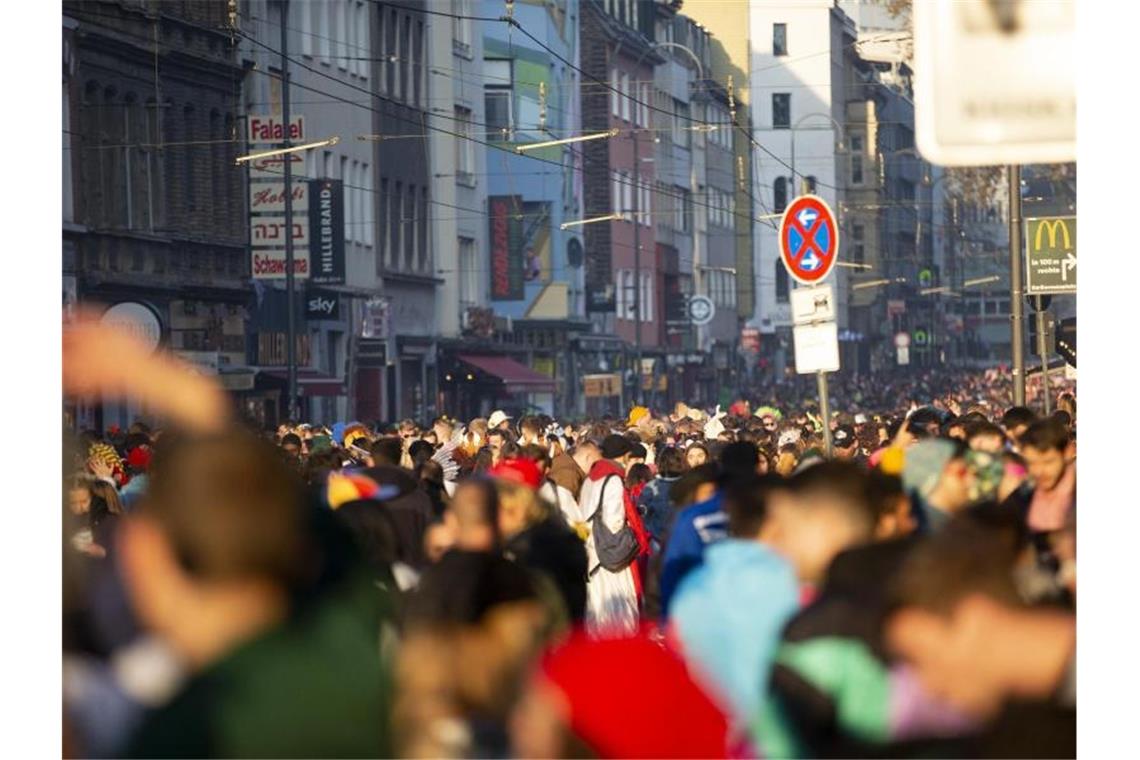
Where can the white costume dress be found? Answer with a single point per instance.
(611, 598)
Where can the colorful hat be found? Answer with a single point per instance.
(636, 414)
(347, 486)
(521, 471)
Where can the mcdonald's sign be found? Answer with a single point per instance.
(1051, 255)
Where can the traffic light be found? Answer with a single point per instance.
(1067, 340)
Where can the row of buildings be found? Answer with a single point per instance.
(451, 265)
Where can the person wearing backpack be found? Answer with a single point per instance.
(613, 545)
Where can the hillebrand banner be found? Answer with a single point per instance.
(326, 240)
(506, 248)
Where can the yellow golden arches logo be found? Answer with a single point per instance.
(1053, 226)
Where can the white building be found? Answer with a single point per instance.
(798, 55)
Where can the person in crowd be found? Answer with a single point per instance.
(499, 420)
(496, 440)
(654, 501)
(696, 455)
(844, 443)
(939, 480)
(612, 589)
(986, 436)
(1016, 420)
(569, 470)
(96, 508)
(1045, 445)
(224, 563)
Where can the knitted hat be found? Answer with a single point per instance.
(925, 462)
(671, 717)
(105, 453)
(636, 414)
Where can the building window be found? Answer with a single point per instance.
(626, 196)
(342, 34)
(391, 52)
(422, 232)
(625, 95)
(396, 224)
(369, 206)
(643, 106)
(498, 98)
(810, 183)
(408, 222)
(780, 194)
(681, 132)
(382, 248)
(188, 179)
(779, 39)
(306, 28)
(646, 305)
(615, 92)
(857, 159)
(346, 177)
(464, 149)
(858, 251)
(323, 35)
(682, 205)
(781, 110)
(418, 67)
(781, 282)
(461, 29)
(405, 56)
(468, 270)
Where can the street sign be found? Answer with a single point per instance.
(902, 340)
(814, 304)
(1050, 335)
(921, 337)
(809, 239)
(994, 82)
(701, 310)
(926, 278)
(1051, 255)
(817, 348)
(903, 355)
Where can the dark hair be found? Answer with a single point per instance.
(681, 492)
(510, 450)
(387, 450)
(638, 474)
(841, 484)
(670, 462)
(964, 558)
(1045, 434)
(420, 452)
(537, 454)
(739, 458)
(984, 428)
(883, 492)
(530, 425)
(481, 462)
(746, 502)
(231, 508)
(319, 465)
(638, 451)
(1063, 417)
(1018, 415)
(291, 439)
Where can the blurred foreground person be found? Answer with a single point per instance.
(617, 698)
(280, 630)
(959, 621)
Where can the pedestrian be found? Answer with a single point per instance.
(613, 589)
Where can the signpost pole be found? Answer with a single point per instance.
(290, 280)
(1017, 325)
(825, 412)
(1042, 351)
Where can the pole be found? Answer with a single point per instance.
(1017, 326)
(637, 263)
(290, 282)
(1042, 351)
(825, 412)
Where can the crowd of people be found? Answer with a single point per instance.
(674, 583)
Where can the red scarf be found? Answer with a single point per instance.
(601, 470)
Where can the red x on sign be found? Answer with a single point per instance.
(809, 239)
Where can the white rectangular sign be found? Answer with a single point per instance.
(273, 167)
(269, 197)
(904, 355)
(995, 81)
(269, 231)
(814, 304)
(270, 128)
(817, 348)
(269, 263)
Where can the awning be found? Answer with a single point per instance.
(518, 378)
(310, 382)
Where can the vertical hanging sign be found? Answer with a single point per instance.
(326, 231)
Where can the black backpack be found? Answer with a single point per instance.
(616, 551)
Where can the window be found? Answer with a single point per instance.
(646, 205)
(646, 294)
(188, 162)
(422, 236)
(681, 132)
(781, 110)
(615, 191)
(347, 173)
(358, 195)
(615, 92)
(810, 183)
(625, 93)
(461, 29)
(369, 203)
(781, 282)
(405, 56)
(858, 251)
(306, 28)
(780, 194)
(468, 271)
(626, 196)
(682, 206)
(382, 248)
(643, 106)
(418, 65)
(396, 224)
(498, 98)
(323, 36)
(391, 52)
(341, 34)
(407, 221)
(464, 149)
(857, 159)
(779, 39)
(363, 48)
